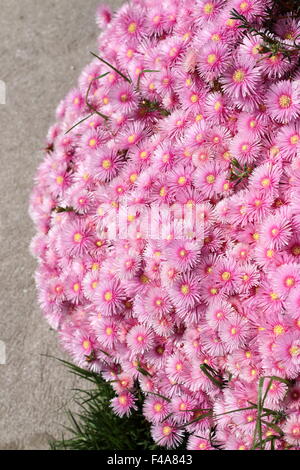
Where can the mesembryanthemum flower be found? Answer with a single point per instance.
(180, 118)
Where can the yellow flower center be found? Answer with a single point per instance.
(238, 76)
(294, 351)
(244, 6)
(77, 237)
(86, 344)
(132, 28)
(290, 282)
(185, 289)
(226, 276)
(274, 296)
(194, 98)
(92, 142)
(285, 101)
(182, 180)
(278, 330)
(158, 407)
(108, 296)
(106, 164)
(123, 400)
(210, 179)
(266, 182)
(167, 430)
(131, 139)
(162, 191)
(109, 331)
(212, 59)
(296, 431)
(208, 8)
(133, 177)
(294, 139)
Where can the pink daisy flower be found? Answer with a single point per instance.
(276, 229)
(291, 429)
(184, 292)
(110, 297)
(105, 165)
(166, 434)
(199, 443)
(156, 409)
(107, 332)
(124, 404)
(124, 98)
(286, 278)
(244, 149)
(242, 79)
(140, 339)
(183, 255)
(287, 351)
(288, 140)
(131, 23)
(75, 238)
(213, 59)
(283, 101)
(234, 333)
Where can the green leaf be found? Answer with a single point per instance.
(111, 66)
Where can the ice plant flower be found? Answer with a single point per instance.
(167, 210)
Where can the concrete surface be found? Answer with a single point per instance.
(43, 46)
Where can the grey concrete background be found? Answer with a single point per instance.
(43, 46)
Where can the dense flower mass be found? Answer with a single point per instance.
(181, 108)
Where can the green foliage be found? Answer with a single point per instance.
(272, 45)
(96, 427)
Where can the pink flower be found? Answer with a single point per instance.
(166, 434)
(185, 291)
(292, 429)
(241, 79)
(110, 297)
(156, 409)
(283, 101)
(198, 125)
(123, 404)
(139, 339)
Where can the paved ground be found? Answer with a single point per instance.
(44, 45)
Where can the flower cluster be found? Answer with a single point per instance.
(180, 106)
